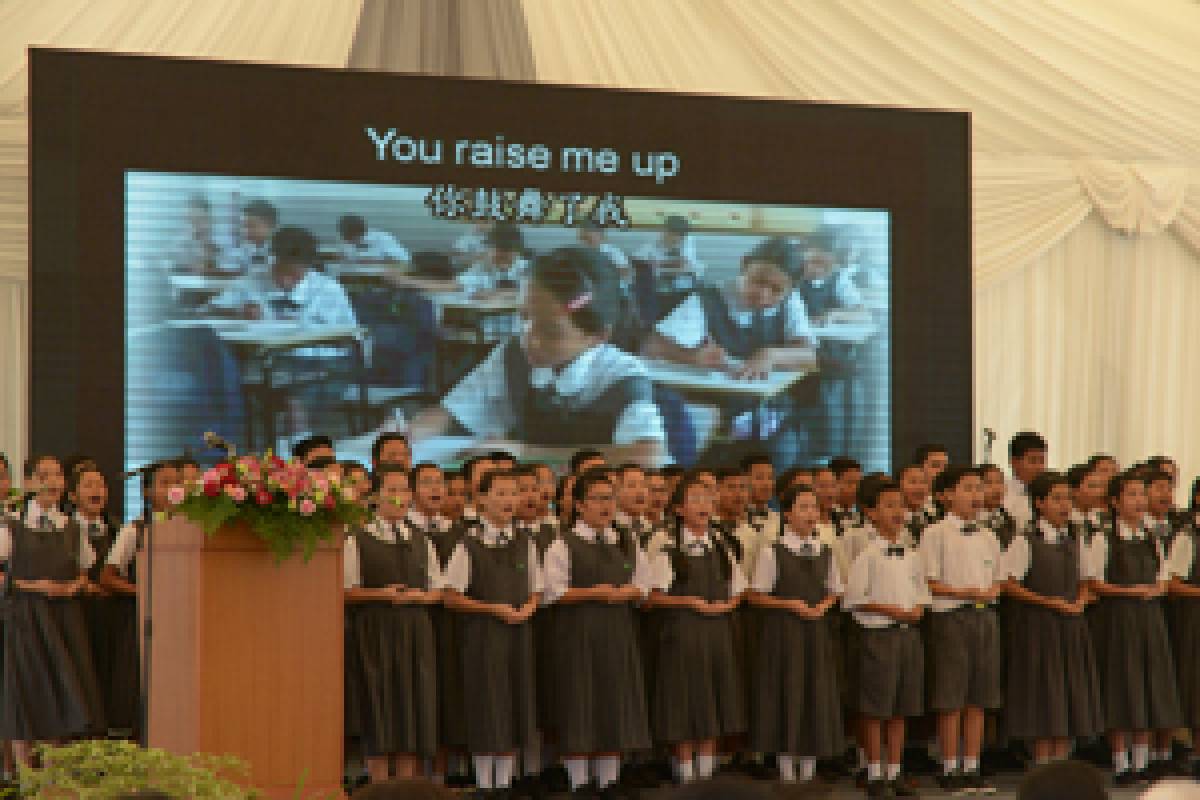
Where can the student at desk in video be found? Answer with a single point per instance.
(363, 245)
(296, 292)
(198, 252)
(560, 383)
(253, 256)
(503, 267)
(830, 293)
(296, 289)
(666, 269)
(748, 328)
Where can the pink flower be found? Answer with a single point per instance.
(237, 493)
(308, 507)
(176, 495)
(211, 476)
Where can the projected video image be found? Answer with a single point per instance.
(659, 330)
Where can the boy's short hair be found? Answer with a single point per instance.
(261, 209)
(1025, 442)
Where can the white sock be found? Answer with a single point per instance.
(970, 765)
(787, 768)
(1040, 760)
(949, 765)
(577, 771)
(531, 757)
(1121, 761)
(808, 768)
(1160, 755)
(705, 765)
(483, 771)
(686, 772)
(862, 758)
(607, 771)
(1141, 754)
(504, 771)
(893, 771)
(874, 771)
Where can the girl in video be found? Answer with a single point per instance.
(559, 383)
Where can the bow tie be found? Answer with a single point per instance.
(970, 528)
(895, 551)
(808, 547)
(95, 529)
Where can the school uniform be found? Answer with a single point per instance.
(604, 396)
(964, 637)
(112, 629)
(1017, 503)
(1052, 686)
(1185, 623)
(1137, 671)
(483, 276)
(1001, 523)
(392, 691)
(600, 700)
(796, 707)
(374, 245)
(543, 532)
(717, 314)
(843, 519)
(49, 688)
(891, 658)
(121, 680)
(496, 565)
(698, 692)
(452, 728)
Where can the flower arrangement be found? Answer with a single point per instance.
(287, 505)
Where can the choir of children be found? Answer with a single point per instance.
(521, 631)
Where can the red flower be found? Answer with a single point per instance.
(212, 489)
(329, 501)
(226, 469)
(264, 498)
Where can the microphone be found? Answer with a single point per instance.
(218, 443)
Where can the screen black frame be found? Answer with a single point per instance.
(93, 116)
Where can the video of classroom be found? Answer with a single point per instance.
(269, 309)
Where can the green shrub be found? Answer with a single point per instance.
(101, 770)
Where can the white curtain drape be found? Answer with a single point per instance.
(314, 32)
(1086, 146)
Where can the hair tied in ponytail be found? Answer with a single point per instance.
(582, 301)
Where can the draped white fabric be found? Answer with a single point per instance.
(1086, 139)
(1086, 149)
(316, 33)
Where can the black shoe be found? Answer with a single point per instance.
(640, 776)
(901, 788)
(760, 772)
(458, 781)
(978, 784)
(1126, 779)
(554, 779)
(588, 791)
(880, 788)
(529, 786)
(860, 778)
(951, 782)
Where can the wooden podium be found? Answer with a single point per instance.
(246, 656)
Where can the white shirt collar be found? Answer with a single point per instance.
(34, 515)
(435, 521)
(571, 379)
(86, 524)
(492, 535)
(796, 543)
(694, 545)
(389, 530)
(589, 534)
(1127, 533)
(743, 316)
(1049, 532)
